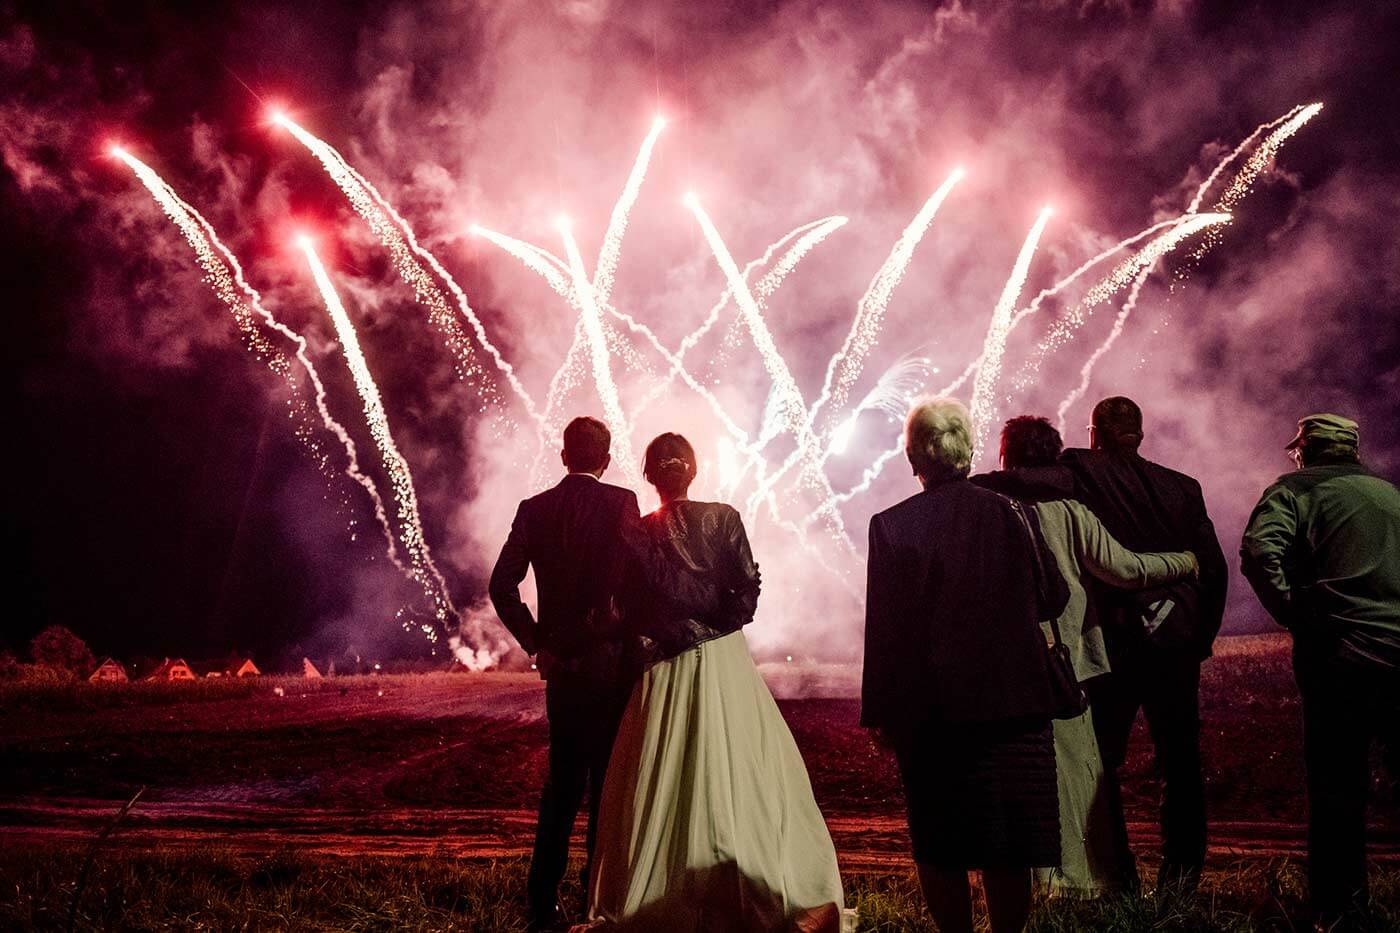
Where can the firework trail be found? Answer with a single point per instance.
(1284, 127)
(225, 275)
(793, 409)
(845, 367)
(1121, 276)
(984, 385)
(421, 568)
(807, 236)
(1238, 151)
(602, 363)
(611, 250)
(1261, 157)
(395, 234)
(1088, 368)
(565, 377)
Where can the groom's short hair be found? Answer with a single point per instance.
(586, 444)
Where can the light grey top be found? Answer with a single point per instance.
(1084, 549)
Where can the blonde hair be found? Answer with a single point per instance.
(938, 438)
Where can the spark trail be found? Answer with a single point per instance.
(1261, 157)
(395, 234)
(410, 523)
(598, 352)
(793, 411)
(225, 276)
(984, 385)
(845, 367)
(1087, 370)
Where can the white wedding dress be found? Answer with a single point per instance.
(708, 820)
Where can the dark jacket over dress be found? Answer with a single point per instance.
(1147, 507)
(952, 614)
(707, 540)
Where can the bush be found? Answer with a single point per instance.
(9, 665)
(57, 647)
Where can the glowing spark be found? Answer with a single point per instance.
(1123, 274)
(225, 275)
(845, 367)
(1261, 157)
(611, 250)
(1239, 150)
(602, 363)
(983, 386)
(793, 410)
(422, 568)
(398, 238)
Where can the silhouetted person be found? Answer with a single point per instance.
(1322, 551)
(1156, 638)
(585, 541)
(956, 676)
(1086, 554)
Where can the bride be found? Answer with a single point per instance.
(708, 820)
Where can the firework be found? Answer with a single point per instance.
(598, 352)
(845, 367)
(984, 384)
(397, 237)
(421, 566)
(225, 275)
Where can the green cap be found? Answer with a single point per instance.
(1333, 428)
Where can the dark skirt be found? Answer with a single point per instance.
(981, 795)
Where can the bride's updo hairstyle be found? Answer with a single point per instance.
(669, 464)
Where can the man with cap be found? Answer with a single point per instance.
(1322, 551)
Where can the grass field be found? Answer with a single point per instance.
(217, 890)
(406, 801)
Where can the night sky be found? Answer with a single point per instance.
(161, 502)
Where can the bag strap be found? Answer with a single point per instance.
(1038, 564)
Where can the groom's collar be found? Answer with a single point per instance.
(595, 479)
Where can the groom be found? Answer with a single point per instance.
(586, 543)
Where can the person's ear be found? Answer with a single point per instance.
(1093, 438)
(607, 459)
(564, 458)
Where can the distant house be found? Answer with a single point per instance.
(309, 670)
(246, 668)
(172, 669)
(233, 666)
(110, 671)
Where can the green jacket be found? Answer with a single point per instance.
(1322, 551)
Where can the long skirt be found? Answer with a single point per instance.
(708, 820)
(1089, 860)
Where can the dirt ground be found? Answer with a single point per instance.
(452, 764)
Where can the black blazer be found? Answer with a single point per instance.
(585, 540)
(952, 612)
(1149, 507)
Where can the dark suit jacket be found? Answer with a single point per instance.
(952, 612)
(585, 540)
(1149, 507)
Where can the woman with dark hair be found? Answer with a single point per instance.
(708, 819)
(1092, 853)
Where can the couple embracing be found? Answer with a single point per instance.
(700, 811)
